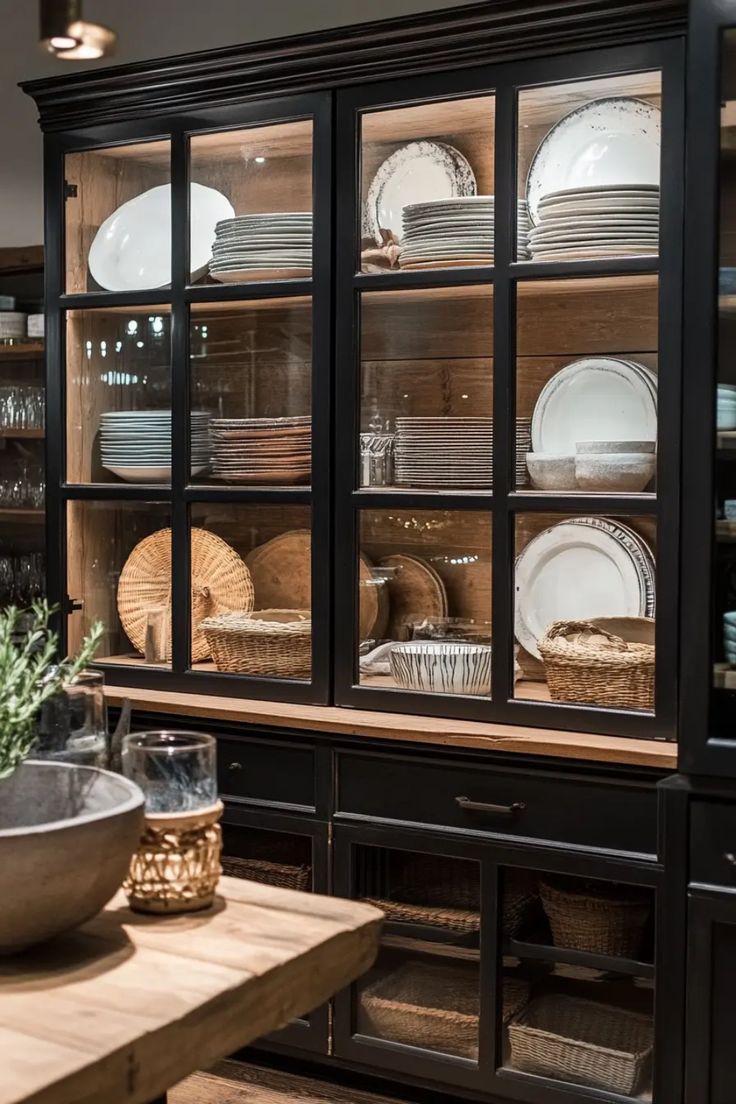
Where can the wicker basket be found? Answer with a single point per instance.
(269, 873)
(587, 664)
(583, 1042)
(433, 880)
(220, 582)
(432, 1005)
(465, 921)
(273, 643)
(595, 918)
(519, 900)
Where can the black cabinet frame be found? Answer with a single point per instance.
(502, 505)
(178, 296)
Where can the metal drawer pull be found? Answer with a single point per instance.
(484, 807)
(235, 766)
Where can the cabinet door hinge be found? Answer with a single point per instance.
(70, 190)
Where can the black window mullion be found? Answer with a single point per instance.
(504, 394)
(180, 553)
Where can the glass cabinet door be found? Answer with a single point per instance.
(192, 489)
(508, 434)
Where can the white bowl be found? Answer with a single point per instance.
(615, 472)
(442, 667)
(550, 472)
(131, 251)
(587, 447)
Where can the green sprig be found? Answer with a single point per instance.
(30, 674)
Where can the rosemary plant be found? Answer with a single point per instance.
(30, 674)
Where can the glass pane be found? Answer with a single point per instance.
(118, 395)
(588, 166)
(251, 373)
(424, 988)
(22, 473)
(426, 179)
(583, 585)
(577, 994)
(113, 243)
(724, 566)
(425, 587)
(261, 855)
(426, 410)
(252, 587)
(119, 572)
(586, 384)
(253, 187)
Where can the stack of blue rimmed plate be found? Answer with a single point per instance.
(136, 444)
(729, 637)
(262, 247)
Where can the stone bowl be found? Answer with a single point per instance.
(614, 472)
(550, 472)
(67, 834)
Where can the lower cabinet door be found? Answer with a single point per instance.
(288, 851)
(710, 1055)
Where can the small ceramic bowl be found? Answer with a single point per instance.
(442, 667)
(550, 472)
(615, 472)
(587, 447)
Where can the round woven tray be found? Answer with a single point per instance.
(585, 663)
(220, 583)
(274, 643)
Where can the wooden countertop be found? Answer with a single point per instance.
(125, 1007)
(334, 720)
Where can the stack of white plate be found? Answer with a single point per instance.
(603, 221)
(726, 406)
(444, 452)
(578, 569)
(443, 233)
(262, 247)
(12, 324)
(523, 226)
(523, 445)
(136, 444)
(262, 450)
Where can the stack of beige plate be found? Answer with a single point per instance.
(262, 450)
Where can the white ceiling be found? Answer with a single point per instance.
(146, 28)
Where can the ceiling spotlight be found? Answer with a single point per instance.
(66, 35)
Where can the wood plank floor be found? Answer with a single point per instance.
(237, 1083)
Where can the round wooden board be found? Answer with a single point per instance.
(416, 590)
(281, 570)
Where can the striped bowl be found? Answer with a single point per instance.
(442, 667)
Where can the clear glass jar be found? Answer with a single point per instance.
(177, 771)
(72, 725)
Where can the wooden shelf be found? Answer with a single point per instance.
(30, 351)
(407, 728)
(544, 952)
(395, 942)
(22, 434)
(27, 514)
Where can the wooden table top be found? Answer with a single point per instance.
(129, 1004)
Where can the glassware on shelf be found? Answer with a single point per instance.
(22, 486)
(450, 628)
(22, 578)
(22, 407)
(157, 635)
(376, 459)
(177, 771)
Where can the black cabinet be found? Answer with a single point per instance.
(710, 1058)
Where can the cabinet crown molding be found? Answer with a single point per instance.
(474, 34)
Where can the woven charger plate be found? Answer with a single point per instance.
(281, 570)
(221, 583)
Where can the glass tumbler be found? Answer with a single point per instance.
(177, 771)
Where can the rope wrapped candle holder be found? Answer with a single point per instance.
(177, 864)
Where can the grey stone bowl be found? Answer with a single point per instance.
(67, 834)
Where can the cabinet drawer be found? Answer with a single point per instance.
(617, 816)
(268, 771)
(713, 839)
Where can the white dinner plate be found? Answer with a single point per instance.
(593, 399)
(625, 249)
(131, 250)
(607, 142)
(574, 572)
(417, 172)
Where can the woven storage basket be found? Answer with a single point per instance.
(582, 1041)
(520, 900)
(587, 664)
(456, 920)
(434, 1006)
(273, 643)
(433, 880)
(269, 873)
(596, 918)
(220, 582)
